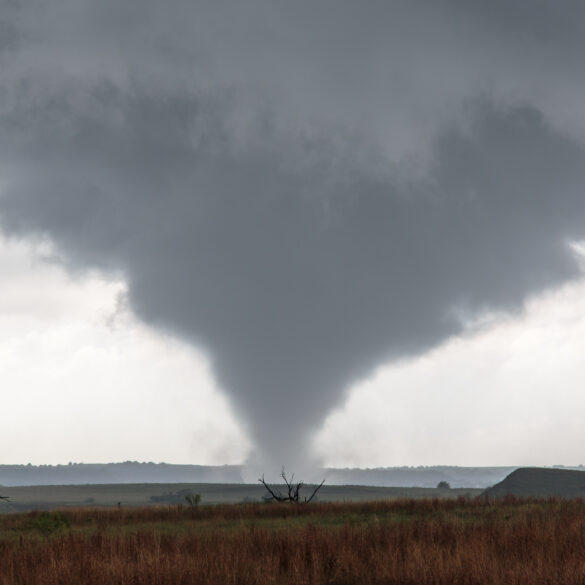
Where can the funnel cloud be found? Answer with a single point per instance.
(303, 190)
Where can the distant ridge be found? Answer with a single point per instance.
(422, 476)
(135, 472)
(540, 483)
(112, 473)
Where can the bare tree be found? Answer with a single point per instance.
(293, 490)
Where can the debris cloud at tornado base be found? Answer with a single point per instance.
(304, 191)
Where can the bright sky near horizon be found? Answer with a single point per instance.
(84, 381)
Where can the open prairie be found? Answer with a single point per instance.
(25, 498)
(427, 541)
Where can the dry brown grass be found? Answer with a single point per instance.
(512, 542)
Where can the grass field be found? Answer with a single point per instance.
(463, 541)
(50, 497)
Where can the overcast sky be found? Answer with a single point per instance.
(284, 233)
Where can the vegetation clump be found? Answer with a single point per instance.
(178, 497)
(47, 523)
(193, 500)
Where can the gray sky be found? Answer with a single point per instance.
(292, 196)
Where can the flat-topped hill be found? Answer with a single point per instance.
(541, 483)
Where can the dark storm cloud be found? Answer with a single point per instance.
(305, 190)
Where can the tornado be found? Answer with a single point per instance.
(304, 191)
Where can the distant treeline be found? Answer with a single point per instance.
(109, 473)
(135, 472)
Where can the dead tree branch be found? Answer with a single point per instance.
(273, 495)
(315, 492)
(293, 490)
